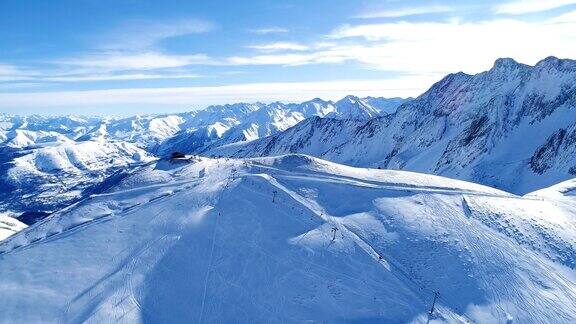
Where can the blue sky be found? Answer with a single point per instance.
(136, 56)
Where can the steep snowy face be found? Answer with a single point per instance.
(294, 239)
(229, 114)
(486, 128)
(315, 107)
(44, 179)
(268, 120)
(19, 138)
(312, 136)
(385, 106)
(354, 108)
(509, 127)
(203, 127)
(206, 126)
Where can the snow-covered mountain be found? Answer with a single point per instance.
(228, 124)
(385, 106)
(312, 136)
(294, 239)
(48, 162)
(144, 131)
(25, 131)
(354, 108)
(189, 132)
(512, 127)
(18, 132)
(41, 180)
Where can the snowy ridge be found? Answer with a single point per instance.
(144, 131)
(512, 127)
(247, 122)
(292, 239)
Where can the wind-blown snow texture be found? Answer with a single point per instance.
(292, 239)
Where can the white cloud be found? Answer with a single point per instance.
(6, 69)
(145, 34)
(120, 61)
(10, 73)
(434, 49)
(91, 70)
(403, 12)
(269, 30)
(443, 47)
(274, 59)
(116, 77)
(126, 53)
(202, 96)
(279, 46)
(19, 85)
(422, 52)
(530, 6)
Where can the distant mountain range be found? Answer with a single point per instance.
(47, 163)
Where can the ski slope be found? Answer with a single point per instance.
(294, 239)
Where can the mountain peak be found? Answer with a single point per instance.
(316, 100)
(549, 60)
(553, 61)
(505, 62)
(349, 98)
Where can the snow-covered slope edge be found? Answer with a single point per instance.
(291, 239)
